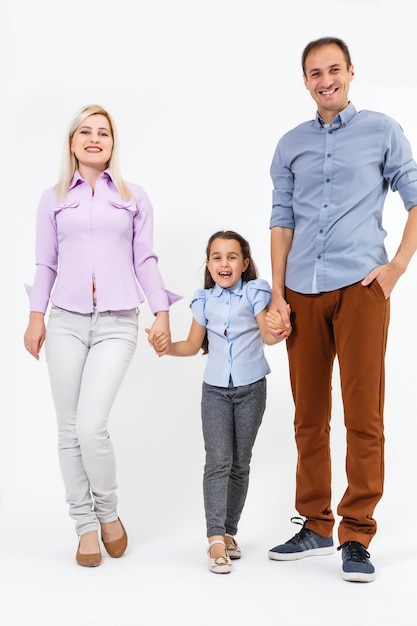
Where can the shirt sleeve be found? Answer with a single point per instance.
(282, 194)
(146, 261)
(198, 306)
(400, 169)
(46, 254)
(259, 294)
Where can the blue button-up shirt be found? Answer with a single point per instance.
(330, 184)
(235, 342)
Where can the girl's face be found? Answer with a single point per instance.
(226, 263)
(92, 142)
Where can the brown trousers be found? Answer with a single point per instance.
(352, 324)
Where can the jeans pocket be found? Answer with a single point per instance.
(126, 318)
(55, 312)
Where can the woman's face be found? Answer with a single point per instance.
(92, 142)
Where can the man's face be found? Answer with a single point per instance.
(328, 79)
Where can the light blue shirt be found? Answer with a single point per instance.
(330, 184)
(235, 343)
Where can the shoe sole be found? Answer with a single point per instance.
(221, 569)
(358, 577)
(296, 556)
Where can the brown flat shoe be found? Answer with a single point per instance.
(88, 560)
(117, 547)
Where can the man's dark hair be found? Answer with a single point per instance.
(325, 41)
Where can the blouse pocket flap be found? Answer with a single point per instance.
(66, 205)
(129, 205)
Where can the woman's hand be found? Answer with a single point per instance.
(160, 342)
(160, 332)
(34, 336)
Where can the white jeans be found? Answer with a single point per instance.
(88, 357)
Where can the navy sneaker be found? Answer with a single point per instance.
(304, 543)
(356, 565)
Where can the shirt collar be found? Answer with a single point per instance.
(341, 118)
(77, 178)
(237, 289)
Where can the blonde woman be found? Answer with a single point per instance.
(95, 265)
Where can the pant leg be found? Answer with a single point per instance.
(361, 328)
(66, 349)
(87, 357)
(248, 408)
(113, 343)
(218, 433)
(311, 352)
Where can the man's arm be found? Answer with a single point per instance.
(281, 242)
(388, 275)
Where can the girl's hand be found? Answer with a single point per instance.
(160, 326)
(160, 341)
(275, 321)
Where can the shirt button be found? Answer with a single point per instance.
(327, 180)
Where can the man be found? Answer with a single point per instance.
(331, 176)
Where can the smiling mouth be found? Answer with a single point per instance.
(225, 274)
(328, 92)
(91, 149)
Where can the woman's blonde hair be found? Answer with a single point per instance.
(69, 162)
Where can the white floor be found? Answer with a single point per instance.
(163, 581)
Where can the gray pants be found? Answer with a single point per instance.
(87, 357)
(231, 418)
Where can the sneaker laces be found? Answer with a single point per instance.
(355, 551)
(302, 534)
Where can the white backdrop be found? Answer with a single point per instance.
(201, 93)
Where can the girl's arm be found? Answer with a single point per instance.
(188, 347)
(274, 321)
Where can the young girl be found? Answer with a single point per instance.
(229, 324)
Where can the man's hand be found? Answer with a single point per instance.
(276, 323)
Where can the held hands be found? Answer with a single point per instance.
(276, 324)
(159, 342)
(159, 336)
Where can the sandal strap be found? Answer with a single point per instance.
(231, 543)
(213, 543)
